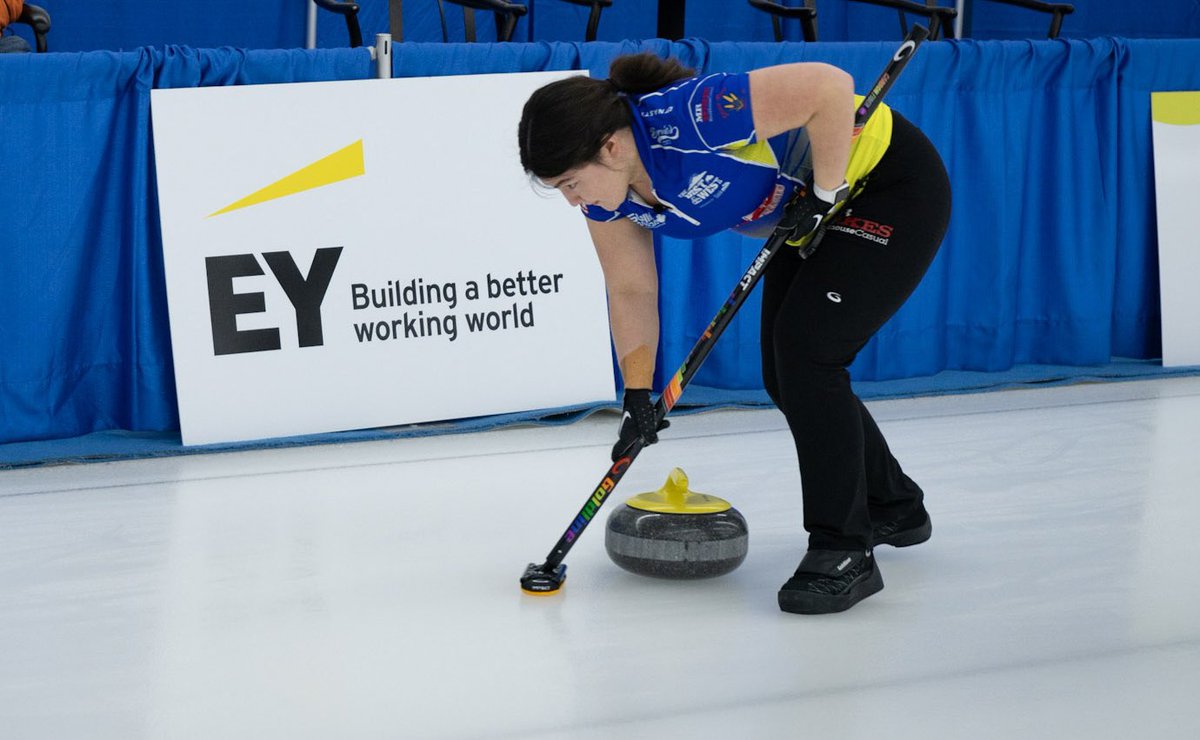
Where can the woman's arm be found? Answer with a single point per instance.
(626, 253)
(818, 97)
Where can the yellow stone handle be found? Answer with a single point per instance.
(676, 488)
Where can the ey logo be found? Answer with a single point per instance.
(305, 292)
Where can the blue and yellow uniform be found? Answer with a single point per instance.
(710, 172)
(708, 167)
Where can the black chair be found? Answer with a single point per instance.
(594, 17)
(807, 14)
(1056, 10)
(349, 11)
(507, 14)
(506, 17)
(937, 16)
(39, 20)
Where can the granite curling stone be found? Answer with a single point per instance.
(676, 533)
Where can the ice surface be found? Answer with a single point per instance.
(370, 590)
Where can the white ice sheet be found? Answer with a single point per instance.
(370, 590)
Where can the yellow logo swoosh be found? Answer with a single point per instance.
(343, 164)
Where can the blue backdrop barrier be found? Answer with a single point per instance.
(1050, 256)
(280, 24)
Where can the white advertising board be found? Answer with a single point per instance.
(359, 254)
(1176, 134)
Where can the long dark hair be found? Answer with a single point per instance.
(565, 123)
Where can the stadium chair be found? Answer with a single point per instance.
(594, 17)
(937, 16)
(506, 17)
(507, 14)
(1056, 10)
(807, 14)
(38, 19)
(349, 11)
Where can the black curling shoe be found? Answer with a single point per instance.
(911, 529)
(830, 581)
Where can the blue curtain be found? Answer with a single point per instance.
(1050, 256)
(84, 343)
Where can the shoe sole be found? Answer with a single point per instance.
(799, 602)
(908, 537)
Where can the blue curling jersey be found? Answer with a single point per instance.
(707, 167)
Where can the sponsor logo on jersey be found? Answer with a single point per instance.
(702, 111)
(729, 104)
(664, 134)
(652, 112)
(768, 206)
(648, 220)
(703, 186)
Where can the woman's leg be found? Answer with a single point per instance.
(819, 313)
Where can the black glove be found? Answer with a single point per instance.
(637, 420)
(808, 209)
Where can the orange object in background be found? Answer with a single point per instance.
(10, 10)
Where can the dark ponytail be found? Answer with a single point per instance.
(646, 72)
(565, 123)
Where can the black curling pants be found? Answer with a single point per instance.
(818, 313)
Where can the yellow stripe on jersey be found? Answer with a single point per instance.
(760, 152)
(866, 151)
(871, 144)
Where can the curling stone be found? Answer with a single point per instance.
(676, 533)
